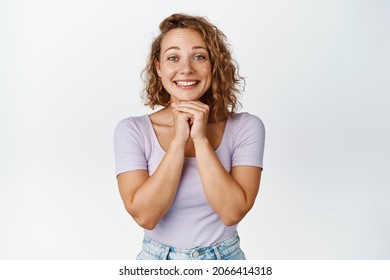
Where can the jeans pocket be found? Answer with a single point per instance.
(235, 255)
(146, 256)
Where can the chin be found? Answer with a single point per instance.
(188, 98)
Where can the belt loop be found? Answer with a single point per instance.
(215, 247)
(166, 253)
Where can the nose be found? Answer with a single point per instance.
(186, 66)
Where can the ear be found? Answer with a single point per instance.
(157, 65)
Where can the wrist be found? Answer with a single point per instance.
(201, 141)
(178, 145)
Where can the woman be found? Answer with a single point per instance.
(190, 172)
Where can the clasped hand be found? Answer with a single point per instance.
(190, 119)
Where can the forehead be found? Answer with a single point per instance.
(182, 37)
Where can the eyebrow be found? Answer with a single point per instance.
(177, 48)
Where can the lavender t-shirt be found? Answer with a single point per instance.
(190, 221)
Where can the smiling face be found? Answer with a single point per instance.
(184, 65)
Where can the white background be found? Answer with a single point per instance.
(317, 74)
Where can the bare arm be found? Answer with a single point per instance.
(230, 195)
(147, 199)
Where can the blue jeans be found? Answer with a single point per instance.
(228, 249)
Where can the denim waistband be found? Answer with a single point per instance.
(220, 250)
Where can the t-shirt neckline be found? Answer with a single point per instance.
(155, 138)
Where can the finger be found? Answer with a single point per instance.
(183, 116)
(192, 104)
(193, 109)
(191, 121)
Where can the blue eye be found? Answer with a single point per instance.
(199, 57)
(172, 58)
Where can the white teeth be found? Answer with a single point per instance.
(186, 84)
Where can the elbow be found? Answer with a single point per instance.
(146, 224)
(232, 219)
(230, 223)
(143, 221)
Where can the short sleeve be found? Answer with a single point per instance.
(249, 137)
(129, 147)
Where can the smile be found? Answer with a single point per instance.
(186, 83)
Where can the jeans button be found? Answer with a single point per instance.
(196, 254)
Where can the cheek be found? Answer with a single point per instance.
(207, 71)
(166, 72)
